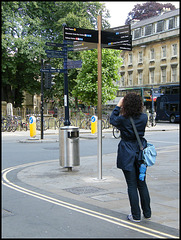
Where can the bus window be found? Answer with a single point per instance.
(167, 90)
(162, 91)
(175, 90)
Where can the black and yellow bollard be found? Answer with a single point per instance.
(94, 124)
(32, 122)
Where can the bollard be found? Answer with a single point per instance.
(93, 124)
(32, 121)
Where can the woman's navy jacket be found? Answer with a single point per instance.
(128, 148)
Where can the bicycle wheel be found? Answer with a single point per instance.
(45, 125)
(83, 124)
(24, 126)
(59, 123)
(116, 133)
(38, 125)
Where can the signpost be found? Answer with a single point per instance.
(84, 39)
(114, 38)
(67, 65)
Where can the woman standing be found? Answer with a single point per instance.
(129, 154)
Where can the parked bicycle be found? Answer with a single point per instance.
(38, 124)
(60, 122)
(85, 123)
(116, 132)
(106, 119)
(3, 124)
(11, 123)
(23, 125)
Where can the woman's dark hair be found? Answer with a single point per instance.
(132, 105)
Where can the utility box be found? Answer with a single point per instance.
(69, 147)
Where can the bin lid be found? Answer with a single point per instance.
(70, 128)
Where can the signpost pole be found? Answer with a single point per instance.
(66, 99)
(41, 100)
(99, 19)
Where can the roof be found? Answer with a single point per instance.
(156, 18)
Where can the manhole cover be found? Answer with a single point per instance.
(83, 190)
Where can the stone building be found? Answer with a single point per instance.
(154, 59)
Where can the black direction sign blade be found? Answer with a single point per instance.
(54, 44)
(52, 70)
(119, 47)
(81, 46)
(74, 64)
(125, 29)
(63, 53)
(109, 37)
(80, 34)
(54, 56)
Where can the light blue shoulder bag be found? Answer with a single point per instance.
(149, 153)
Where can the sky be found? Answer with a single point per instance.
(119, 10)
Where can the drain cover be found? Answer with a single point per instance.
(83, 190)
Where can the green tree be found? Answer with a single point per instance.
(86, 87)
(26, 26)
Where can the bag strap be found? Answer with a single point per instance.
(136, 133)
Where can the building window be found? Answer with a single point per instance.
(148, 29)
(130, 59)
(122, 79)
(171, 23)
(140, 77)
(152, 54)
(160, 26)
(140, 57)
(137, 33)
(130, 78)
(163, 52)
(163, 75)
(174, 50)
(152, 75)
(174, 73)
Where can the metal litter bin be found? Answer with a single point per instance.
(69, 147)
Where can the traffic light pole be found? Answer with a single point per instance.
(42, 108)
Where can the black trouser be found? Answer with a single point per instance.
(135, 185)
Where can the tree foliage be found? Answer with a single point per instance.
(147, 10)
(86, 87)
(26, 27)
